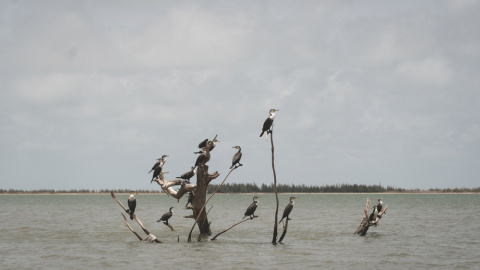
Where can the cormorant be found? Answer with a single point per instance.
(288, 209)
(203, 145)
(201, 157)
(166, 216)
(190, 199)
(132, 204)
(236, 158)
(186, 176)
(158, 168)
(251, 209)
(379, 205)
(268, 122)
(160, 163)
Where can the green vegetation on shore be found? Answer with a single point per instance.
(254, 188)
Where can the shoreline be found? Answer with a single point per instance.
(246, 193)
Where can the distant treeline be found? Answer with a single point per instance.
(254, 188)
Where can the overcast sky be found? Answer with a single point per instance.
(369, 92)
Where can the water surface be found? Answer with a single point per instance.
(419, 231)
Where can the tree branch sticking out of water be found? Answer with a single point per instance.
(285, 227)
(243, 220)
(366, 223)
(275, 227)
(203, 207)
(150, 237)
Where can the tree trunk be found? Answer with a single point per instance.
(199, 212)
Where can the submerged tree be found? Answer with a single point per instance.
(370, 220)
(198, 191)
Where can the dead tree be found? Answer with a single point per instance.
(366, 223)
(199, 190)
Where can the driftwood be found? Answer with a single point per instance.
(243, 220)
(150, 237)
(365, 224)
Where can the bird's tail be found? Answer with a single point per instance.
(261, 134)
(131, 215)
(280, 220)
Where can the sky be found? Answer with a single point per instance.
(368, 92)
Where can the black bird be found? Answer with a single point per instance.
(288, 209)
(379, 205)
(155, 165)
(160, 162)
(236, 158)
(186, 176)
(157, 169)
(206, 143)
(200, 158)
(190, 199)
(132, 204)
(251, 209)
(203, 144)
(268, 122)
(166, 216)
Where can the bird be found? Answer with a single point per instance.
(288, 209)
(268, 122)
(203, 145)
(236, 158)
(251, 209)
(186, 176)
(190, 199)
(132, 204)
(160, 162)
(200, 158)
(157, 169)
(379, 205)
(165, 217)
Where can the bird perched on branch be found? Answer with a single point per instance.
(165, 217)
(251, 209)
(132, 204)
(379, 206)
(236, 158)
(373, 215)
(288, 209)
(158, 167)
(200, 158)
(268, 123)
(206, 143)
(186, 176)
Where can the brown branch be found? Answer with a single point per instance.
(285, 227)
(131, 229)
(243, 220)
(275, 229)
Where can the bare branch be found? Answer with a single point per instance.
(243, 220)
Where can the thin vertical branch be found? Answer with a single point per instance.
(275, 228)
(285, 227)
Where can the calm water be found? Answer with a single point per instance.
(419, 231)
